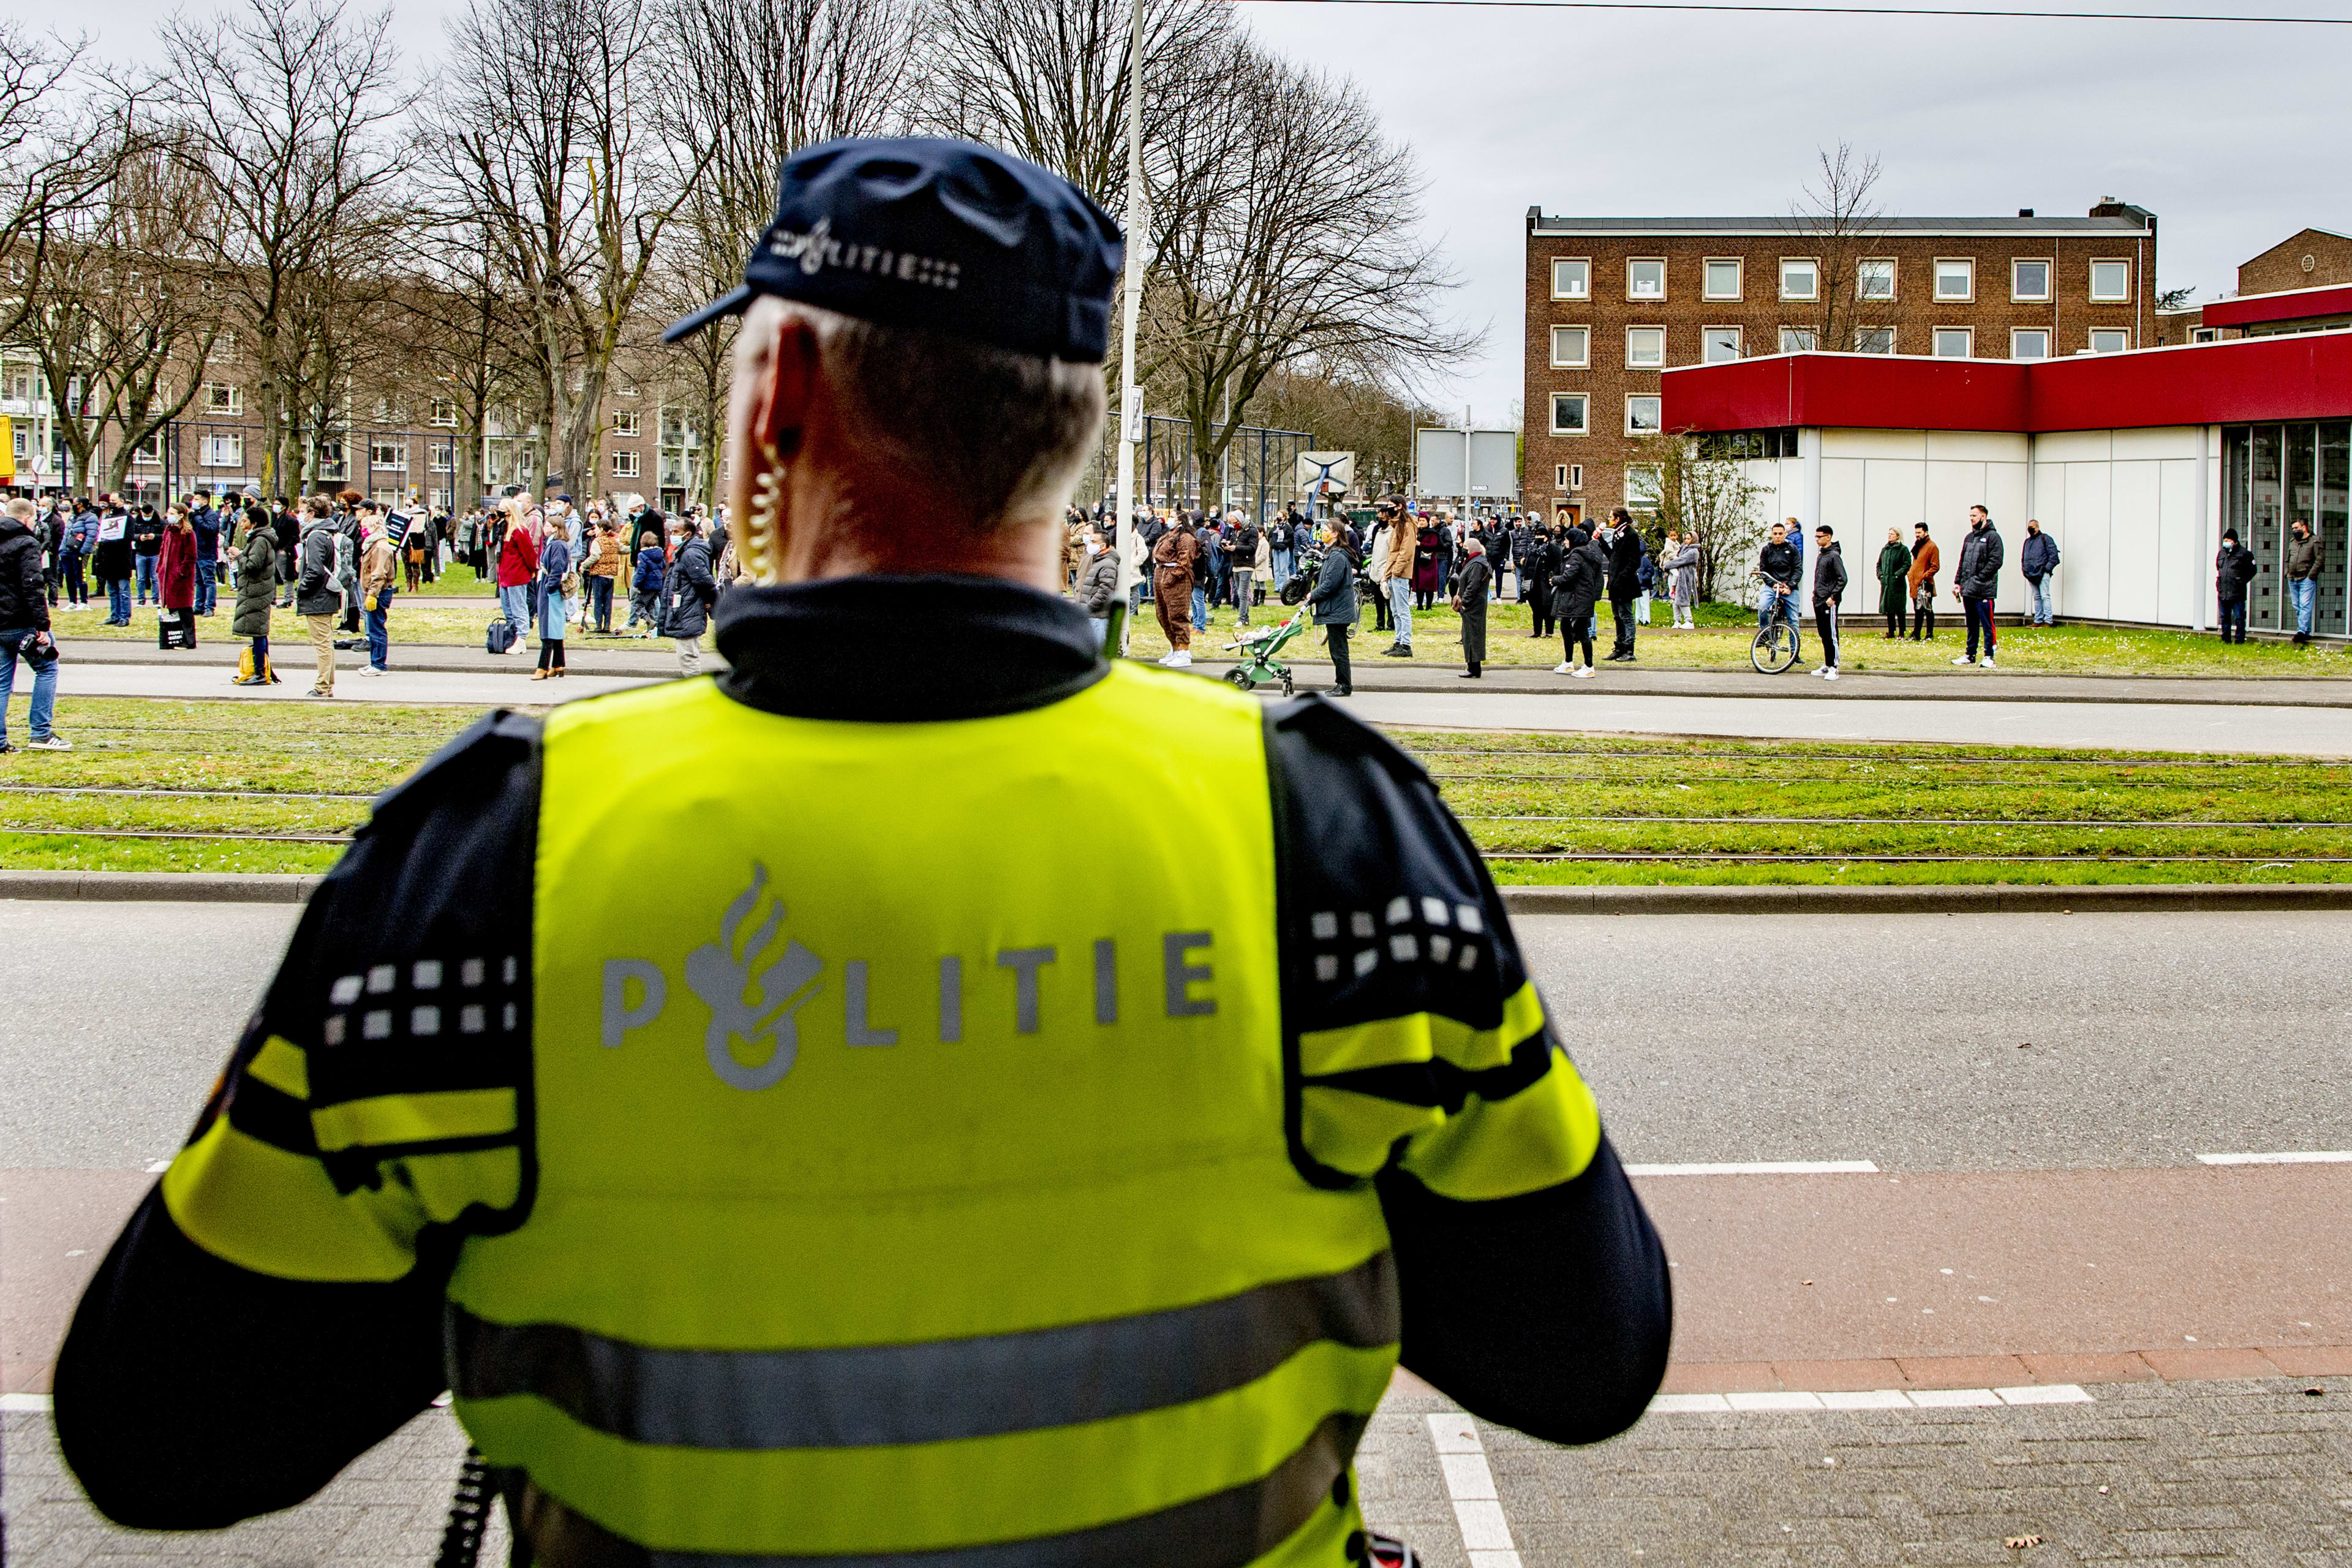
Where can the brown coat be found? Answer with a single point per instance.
(1396, 560)
(1179, 550)
(1925, 561)
(378, 564)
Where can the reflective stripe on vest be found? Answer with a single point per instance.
(912, 1178)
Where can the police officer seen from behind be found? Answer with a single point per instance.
(899, 1182)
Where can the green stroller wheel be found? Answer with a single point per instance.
(1240, 677)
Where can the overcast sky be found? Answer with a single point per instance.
(2233, 134)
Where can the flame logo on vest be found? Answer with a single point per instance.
(760, 1004)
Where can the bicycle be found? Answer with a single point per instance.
(1778, 644)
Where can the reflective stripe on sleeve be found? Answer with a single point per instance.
(275, 1212)
(1539, 1137)
(395, 1119)
(1353, 1132)
(932, 1391)
(1420, 1037)
(281, 1065)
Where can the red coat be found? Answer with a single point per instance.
(175, 568)
(518, 559)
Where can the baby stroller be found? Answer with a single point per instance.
(1257, 646)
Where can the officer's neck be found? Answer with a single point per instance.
(910, 536)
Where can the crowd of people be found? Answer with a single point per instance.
(339, 561)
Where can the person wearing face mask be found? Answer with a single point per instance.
(1098, 576)
(1334, 604)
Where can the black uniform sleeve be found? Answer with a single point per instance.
(1418, 1057)
(273, 1309)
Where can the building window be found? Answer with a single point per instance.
(1567, 413)
(387, 454)
(2029, 280)
(624, 388)
(624, 465)
(1643, 416)
(2109, 341)
(1874, 339)
(625, 422)
(1645, 347)
(1576, 476)
(221, 452)
(1645, 484)
(437, 500)
(1956, 279)
(224, 398)
(2205, 334)
(1723, 279)
(1572, 280)
(1799, 339)
(330, 461)
(1571, 347)
(2111, 281)
(2029, 343)
(1875, 280)
(224, 348)
(1646, 280)
(1801, 280)
(1955, 342)
(445, 411)
(149, 451)
(1721, 344)
(440, 457)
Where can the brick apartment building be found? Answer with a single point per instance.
(1613, 302)
(2302, 284)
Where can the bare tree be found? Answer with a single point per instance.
(1048, 80)
(290, 105)
(124, 314)
(545, 134)
(471, 346)
(1345, 414)
(1704, 495)
(1838, 217)
(1292, 242)
(51, 165)
(755, 81)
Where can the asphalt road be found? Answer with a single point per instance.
(1898, 1039)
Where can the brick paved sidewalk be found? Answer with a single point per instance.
(2250, 1471)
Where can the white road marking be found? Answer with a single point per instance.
(1761, 1168)
(2290, 1157)
(1869, 1399)
(1470, 1484)
(23, 1403)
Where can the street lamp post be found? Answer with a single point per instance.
(1130, 416)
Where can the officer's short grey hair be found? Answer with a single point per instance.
(1007, 431)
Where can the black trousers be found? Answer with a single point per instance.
(1621, 617)
(1894, 622)
(1576, 630)
(1540, 608)
(1343, 674)
(2234, 619)
(1923, 619)
(1825, 626)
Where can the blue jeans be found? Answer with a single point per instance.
(2303, 594)
(2233, 619)
(118, 601)
(1782, 606)
(45, 682)
(379, 632)
(145, 566)
(1200, 604)
(1282, 563)
(1401, 609)
(2044, 605)
(515, 604)
(206, 593)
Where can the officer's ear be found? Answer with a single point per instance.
(789, 378)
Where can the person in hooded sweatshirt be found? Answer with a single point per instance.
(1829, 587)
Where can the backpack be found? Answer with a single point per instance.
(500, 638)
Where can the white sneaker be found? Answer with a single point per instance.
(1829, 675)
(1585, 674)
(1823, 669)
(1180, 659)
(371, 670)
(1987, 664)
(1963, 658)
(1563, 669)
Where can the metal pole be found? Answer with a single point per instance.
(1129, 415)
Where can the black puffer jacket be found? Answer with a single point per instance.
(1828, 575)
(24, 589)
(692, 590)
(1981, 554)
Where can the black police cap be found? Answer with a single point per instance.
(949, 237)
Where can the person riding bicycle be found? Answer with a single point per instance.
(1779, 564)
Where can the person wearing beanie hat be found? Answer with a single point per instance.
(1018, 1124)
